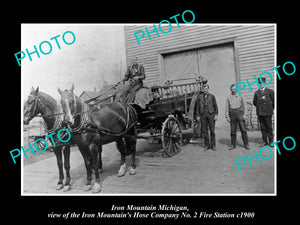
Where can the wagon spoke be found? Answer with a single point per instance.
(168, 145)
(171, 136)
(170, 149)
(168, 125)
(175, 129)
(175, 144)
(167, 138)
(177, 133)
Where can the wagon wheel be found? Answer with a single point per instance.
(171, 136)
(197, 126)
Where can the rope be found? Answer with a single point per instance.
(84, 118)
(57, 123)
(92, 99)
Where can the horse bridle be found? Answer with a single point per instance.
(33, 113)
(75, 107)
(36, 101)
(83, 115)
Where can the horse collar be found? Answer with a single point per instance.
(57, 123)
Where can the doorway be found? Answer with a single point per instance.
(216, 63)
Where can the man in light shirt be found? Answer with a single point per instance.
(235, 113)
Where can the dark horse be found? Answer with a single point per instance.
(43, 104)
(113, 122)
(46, 106)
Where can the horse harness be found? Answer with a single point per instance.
(58, 119)
(36, 101)
(87, 124)
(58, 123)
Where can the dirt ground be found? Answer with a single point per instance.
(192, 171)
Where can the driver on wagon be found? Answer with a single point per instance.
(135, 74)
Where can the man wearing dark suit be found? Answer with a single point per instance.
(264, 102)
(209, 114)
(135, 74)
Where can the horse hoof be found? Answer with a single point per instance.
(122, 171)
(87, 187)
(67, 188)
(59, 186)
(96, 188)
(132, 171)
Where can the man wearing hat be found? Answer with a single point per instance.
(264, 102)
(209, 114)
(135, 74)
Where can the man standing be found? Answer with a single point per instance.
(264, 102)
(135, 74)
(209, 114)
(235, 112)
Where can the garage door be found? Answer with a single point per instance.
(182, 65)
(215, 63)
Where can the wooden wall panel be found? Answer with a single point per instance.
(254, 48)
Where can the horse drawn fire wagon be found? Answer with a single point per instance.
(170, 111)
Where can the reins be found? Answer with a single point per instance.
(84, 120)
(54, 114)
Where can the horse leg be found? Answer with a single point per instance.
(122, 149)
(100, 166)
(95, 161)
(131, 146)
(66, 152)
(58, 154)
(132, 170)
(87, 161)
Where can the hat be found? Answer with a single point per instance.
(233, 85)
(262, 80)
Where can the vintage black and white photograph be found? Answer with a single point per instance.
(148, 109)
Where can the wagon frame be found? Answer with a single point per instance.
(173, 111)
